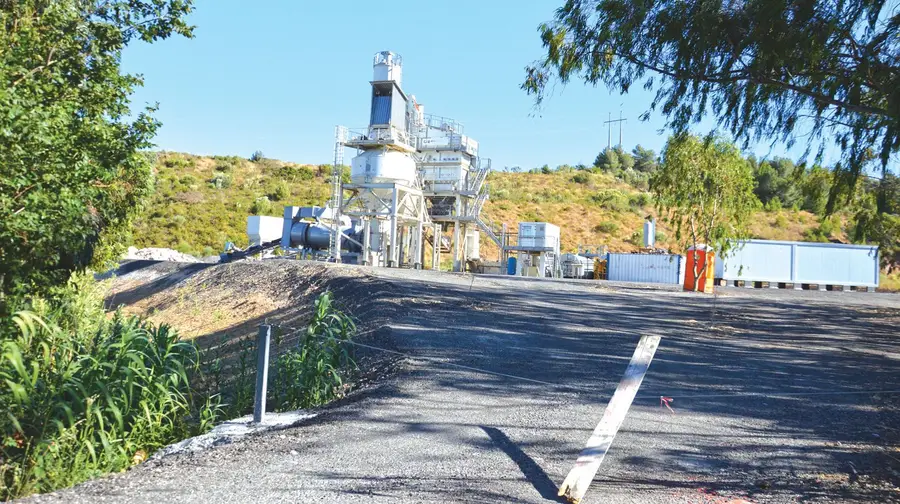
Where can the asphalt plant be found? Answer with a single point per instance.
(315, 371)
(78, 404)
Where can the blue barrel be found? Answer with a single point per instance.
(511, 266)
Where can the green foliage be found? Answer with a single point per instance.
(778, 179)
(71, 174)
(612, 199)
(773, 205)
(257, 156)
(608, 227)
(815, 190)
(546, 170)
(281, 192)
(614, 159)
(760, 67)
(83, 394)
(220, 181)
(645, 160)
(314, 372)
(639, 200)
(261, 206)
(781, 221)
(581, 178)
(297, 173)
(705, 192)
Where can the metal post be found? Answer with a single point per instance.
(420, 250)
(394, 255)
(437, 243)
(262, 372)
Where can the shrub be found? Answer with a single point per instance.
(639, 200)
(636, 238)
(178, 161)
(296, 173)
(261, 206)
(608, 227)
(780, 221)
(611, 199)
(257, 156)
(581, 178)
(281, 192)
(313, 373)
(221, 181)
(661, 237)
(83, 394)
(774, 205)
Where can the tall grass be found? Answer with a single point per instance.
(308, 369)
(313, 372)
(82, 395)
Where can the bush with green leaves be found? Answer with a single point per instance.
(612, 199)
(257, 156)
(581, 178)
(314, 372)
(608, 227)
(83, 395)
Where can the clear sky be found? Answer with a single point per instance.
(278, 75)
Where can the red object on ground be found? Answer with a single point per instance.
(701, 254)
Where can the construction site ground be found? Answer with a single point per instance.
(778, 396)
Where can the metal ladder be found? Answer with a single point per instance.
(334, 248)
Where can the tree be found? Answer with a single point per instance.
(614, 159)
(704, 192)
(645, 160)
(71, 172)
(761, 67)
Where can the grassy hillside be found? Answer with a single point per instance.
(202, 202)
(597, 209)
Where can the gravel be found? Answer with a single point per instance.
(159, 254)
(737, 366)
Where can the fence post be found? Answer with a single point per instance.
(262, 372)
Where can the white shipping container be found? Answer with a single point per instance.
(801, 263)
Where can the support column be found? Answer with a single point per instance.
(367, 242)
(420, 251)
(436, 247)
(456, 243)
(394, 249)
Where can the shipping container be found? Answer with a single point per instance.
(801, 263)
(649, 268)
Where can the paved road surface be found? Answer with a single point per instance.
(432, 433)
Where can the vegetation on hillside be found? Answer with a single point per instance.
(200, 203)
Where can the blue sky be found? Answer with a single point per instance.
(278, 76)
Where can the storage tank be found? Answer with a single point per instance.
(383, 166)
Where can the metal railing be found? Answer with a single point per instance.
(379, 135)
(443, 123)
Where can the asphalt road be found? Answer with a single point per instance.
(738, 367)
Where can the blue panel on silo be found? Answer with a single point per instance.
(381, 110)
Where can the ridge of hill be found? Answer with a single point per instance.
(201, 202)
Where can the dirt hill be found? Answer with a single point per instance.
(202, 202)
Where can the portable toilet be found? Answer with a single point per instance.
(701, 254)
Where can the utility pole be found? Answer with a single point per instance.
(620, 120)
